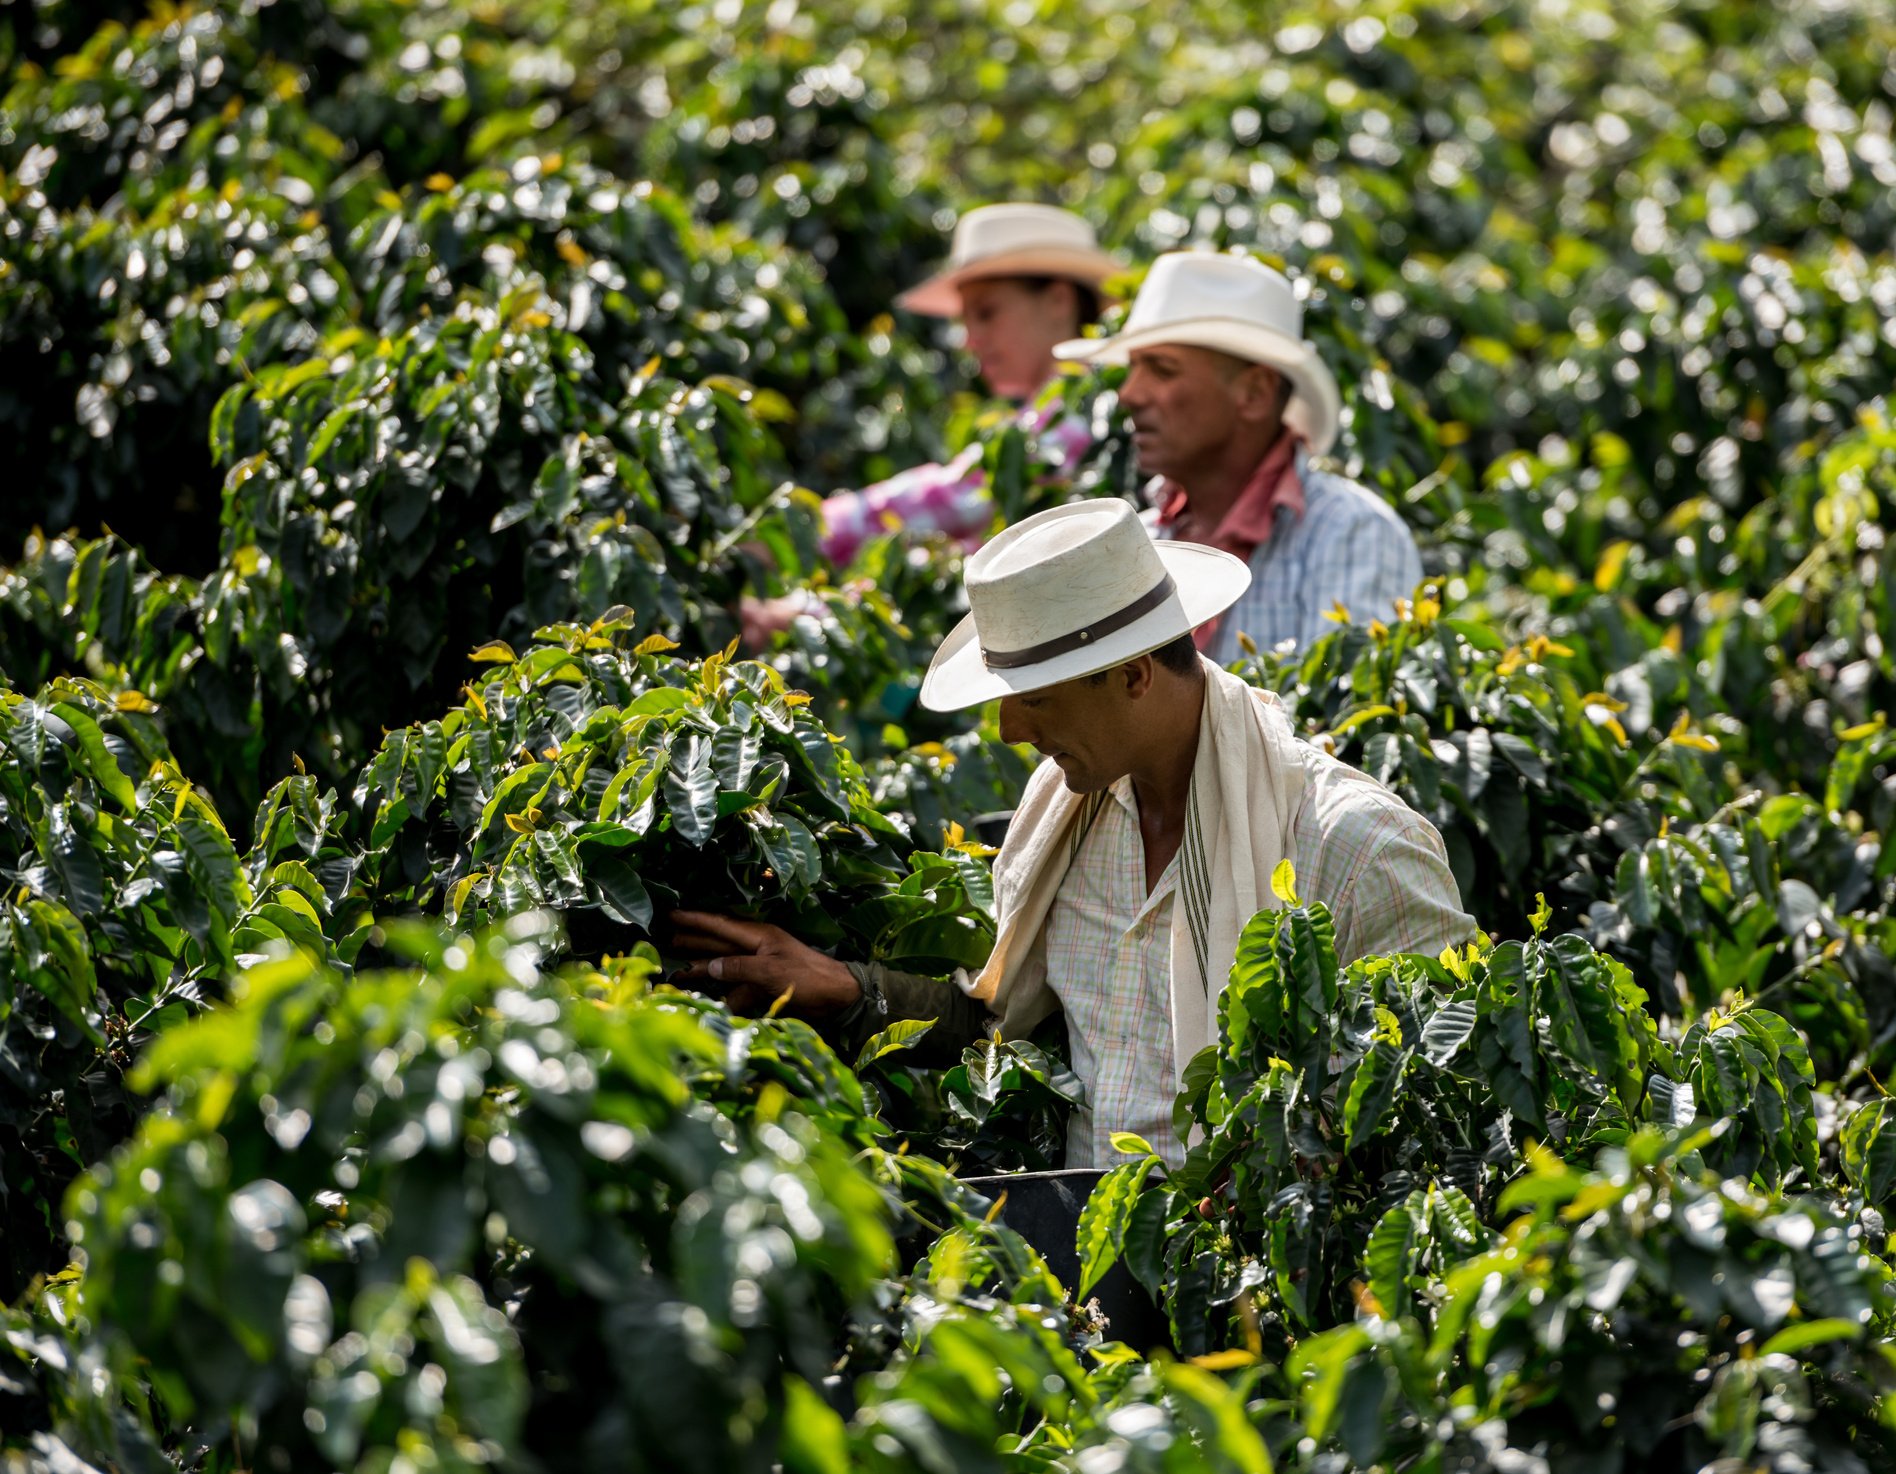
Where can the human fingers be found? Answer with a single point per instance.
(699, 944)
(747, 972)
(736, 934)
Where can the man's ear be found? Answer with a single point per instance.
(1137, 675)
(1259, 389)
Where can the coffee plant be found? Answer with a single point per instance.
(403, 403)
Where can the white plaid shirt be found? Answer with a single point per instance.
(1349, 546)
(1377, 864)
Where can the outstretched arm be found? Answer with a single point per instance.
(751, 964)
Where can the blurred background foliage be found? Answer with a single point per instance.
(338, 341)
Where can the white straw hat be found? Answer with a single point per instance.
(1071, 591)
(1012, 240)
(1237, 306)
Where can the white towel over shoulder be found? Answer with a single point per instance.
(1247, 785)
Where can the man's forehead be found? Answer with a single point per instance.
(1185, 355)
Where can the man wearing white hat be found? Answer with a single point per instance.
(1170, 793)
(1228, 404)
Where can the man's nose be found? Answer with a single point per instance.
(1132, 394)
(1014, 729)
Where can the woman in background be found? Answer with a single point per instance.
(1019, 279)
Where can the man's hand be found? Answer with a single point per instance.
(751, 964)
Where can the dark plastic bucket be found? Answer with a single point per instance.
(1044, 1209)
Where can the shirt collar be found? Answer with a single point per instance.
(1275, 486)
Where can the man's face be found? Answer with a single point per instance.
(1185, 404)
(1082, 725)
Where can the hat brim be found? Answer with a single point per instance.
(1207, 581)
(940, 295)
(1316, 407)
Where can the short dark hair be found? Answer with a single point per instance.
(1091, 303)
(1178, 656)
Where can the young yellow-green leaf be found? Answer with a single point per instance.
(1132, 1144)
(814, 1440)
(1811, 1333)
(494, 652)
(1284, 883)
(902, 1034)
(1102, 1229)
(1362, 714)
(1225, 1361)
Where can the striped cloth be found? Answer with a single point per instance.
(951, 499)
(1377, 864)
(1348, 546)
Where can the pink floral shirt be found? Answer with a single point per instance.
(951, 499)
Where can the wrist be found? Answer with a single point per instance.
(838, 988)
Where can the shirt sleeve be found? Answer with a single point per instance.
(951, 499)
(1370, 564)
(890, 996)
(1064, 445)
(1401, 897)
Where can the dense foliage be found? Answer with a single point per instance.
(400, 399)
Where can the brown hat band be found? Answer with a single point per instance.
(1085, 635)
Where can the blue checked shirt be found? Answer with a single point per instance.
(1348, 547)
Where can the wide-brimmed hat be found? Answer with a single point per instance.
(1012, 240)
(1071, 591)
(1237, 306)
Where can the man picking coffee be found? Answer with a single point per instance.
(1169, 793)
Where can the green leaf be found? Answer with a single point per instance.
(815, 1440)
(900, 1035)
(792, 853)
(98, 762)
(734, 753)
(1217, 1416)
(1102, 1228)
(1389, 1259)
(1372, 1090)
(1447, 1030)
(1145, 1240)
(66, 977)
(1476, 634)
(333, 425)
(1869, 1150)
(691, 789)
(72, 858)
(1319, 1367)
(616, 887)
(1797, 1338)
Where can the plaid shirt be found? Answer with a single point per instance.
(1348, 546)
(1376, 863)
(951, 499)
